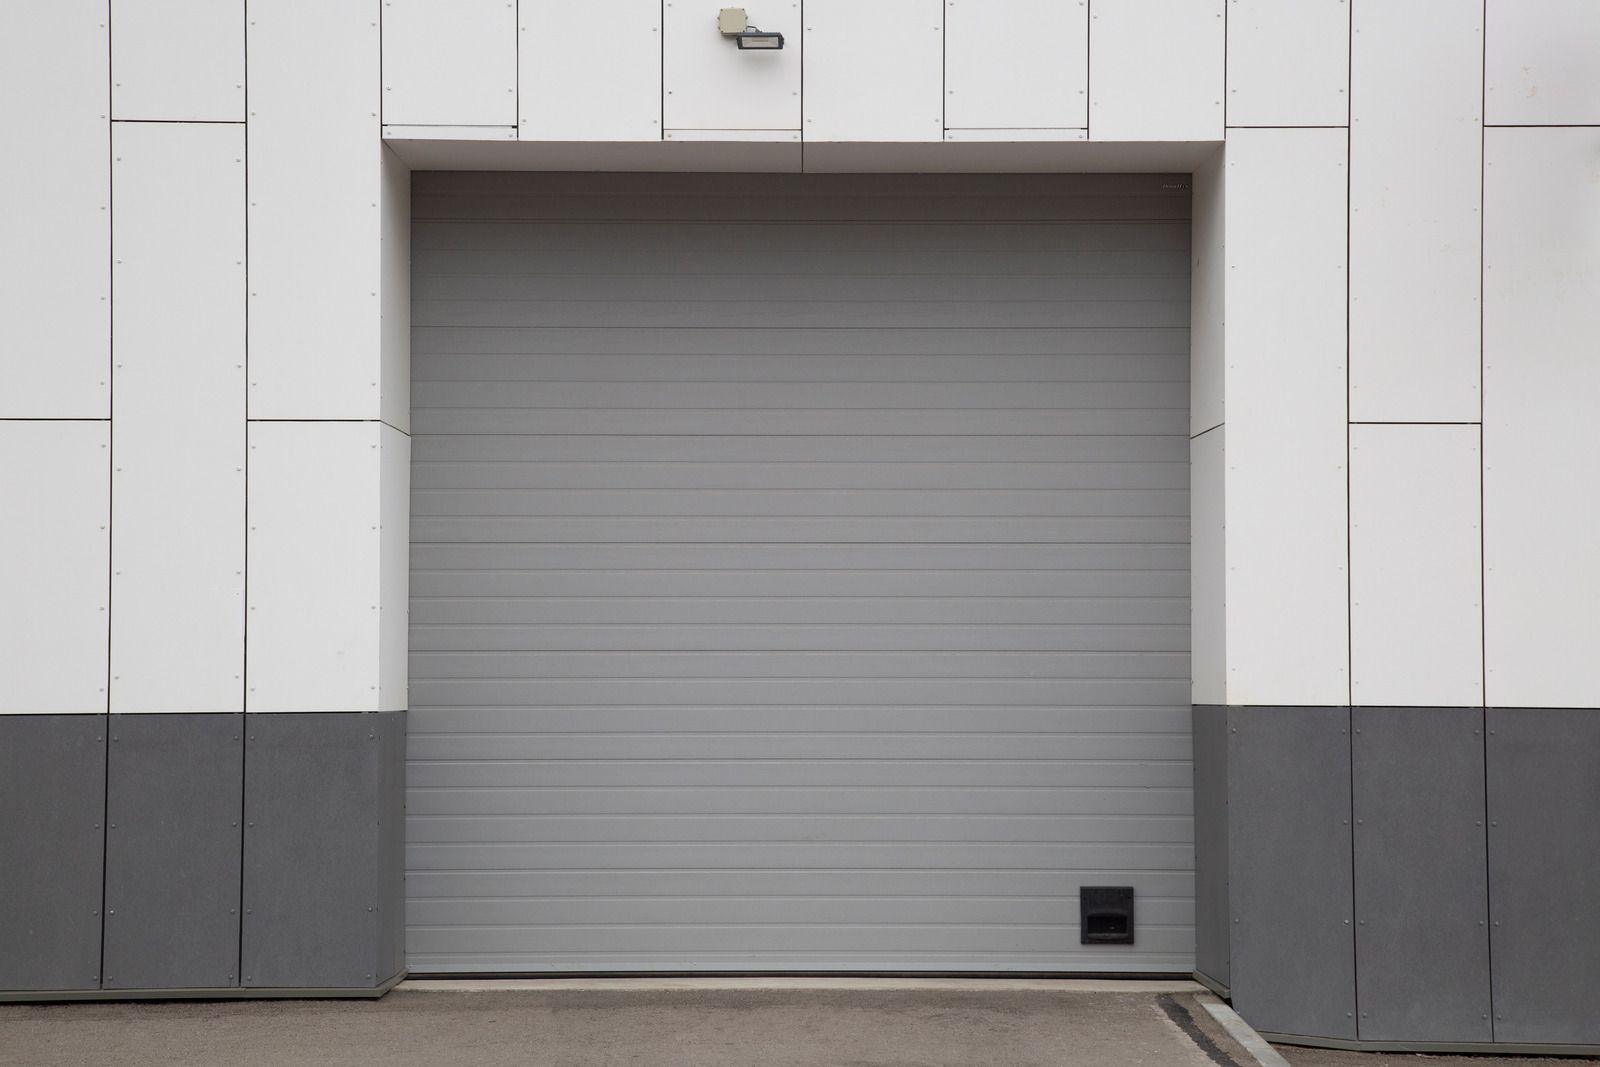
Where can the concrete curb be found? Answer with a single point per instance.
(643, 985)
(1242, 1032)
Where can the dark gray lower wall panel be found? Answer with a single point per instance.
(1293, 951)
(1544, 873)
(1422, 944)
(52, 805)
(1211, 842)
(172, 851)
(318, 849)
(392, 842)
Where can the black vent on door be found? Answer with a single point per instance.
(1105, 914)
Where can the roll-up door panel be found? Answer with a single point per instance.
(800, 572)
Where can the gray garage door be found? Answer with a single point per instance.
(799, 572)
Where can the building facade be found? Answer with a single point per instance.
(502, 486)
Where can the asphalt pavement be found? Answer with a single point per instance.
(548, 1024)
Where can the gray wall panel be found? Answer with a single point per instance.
(315, 858)
(1211, 842)
(852, 554)
(392, 835)
(1422, 942)
(1544, 873)
(173, 851)
(52, 805)
(1293, 956)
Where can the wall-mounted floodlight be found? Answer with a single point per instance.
(756, 39)
(733, 22)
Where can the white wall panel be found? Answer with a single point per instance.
(54, 585)
(1415, 256)
(714, 137)
(177, 628)
(1288, 596)
(55, 202)
(395, 304)
(1541, 391)
(314, 171)
(1207, 292)
(1004, 136)
(1541, 63)
(1016, 64)
(178, 60)
(1208, 567)
(449, 133)
(450, 62)
(1156, 70)
(1288, 63)
(712, 85)
(1416, 575)
(315, 566)
(874, 74)
(394, 579)
(590, 72)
